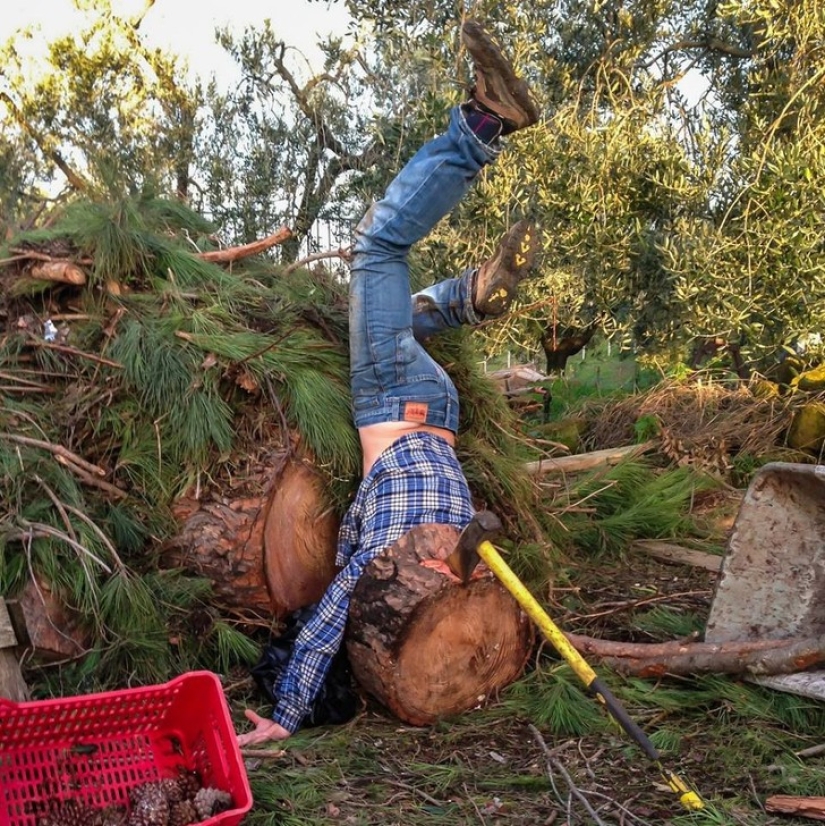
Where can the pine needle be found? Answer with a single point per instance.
(232, 647)
(552, 697)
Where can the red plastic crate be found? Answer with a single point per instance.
(94, 748)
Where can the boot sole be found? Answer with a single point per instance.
(516, 256)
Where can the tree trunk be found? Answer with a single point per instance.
(423, 644)
(559, 343)
(267, 550)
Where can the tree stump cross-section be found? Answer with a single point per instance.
(425, 645)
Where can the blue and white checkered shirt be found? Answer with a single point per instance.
(416, 481)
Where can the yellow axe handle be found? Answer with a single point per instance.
(689, 798)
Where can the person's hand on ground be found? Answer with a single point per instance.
(265, 729)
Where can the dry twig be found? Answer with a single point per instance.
(553, 763)
(57, 450)
(344, 253)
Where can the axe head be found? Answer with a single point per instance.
(463, 560)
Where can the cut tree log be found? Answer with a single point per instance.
(66, 272)
(299, 541)
(269, 548)
(425, 645)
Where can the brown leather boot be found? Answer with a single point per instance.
(498, 278)
(497, 88)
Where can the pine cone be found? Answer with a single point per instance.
(189, 782)
(149, 806)
(114, 816)
(183, 813)
(209, 801)
(76, 814)
(68, 813)
(172, 789)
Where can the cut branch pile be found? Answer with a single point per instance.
(175, 425)
(702, 425)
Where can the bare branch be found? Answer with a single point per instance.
(137, 19)
(753, 657)
(712, 44)
(235, 253)
(57, 450)
(344, 253)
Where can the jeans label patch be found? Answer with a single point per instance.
(415, 412)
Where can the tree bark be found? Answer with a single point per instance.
(222, 540)
(811, 807)
(53, 631)
(425, 645)
(268, 549)
(230, 254)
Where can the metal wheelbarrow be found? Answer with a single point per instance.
(772, 582)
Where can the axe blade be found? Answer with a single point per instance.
(463, 560)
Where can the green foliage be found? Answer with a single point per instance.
(296, 788)
(651, 206)
(646, 427)
(727, 701)
(744, 467)
(102, 108)
(159, 410)
(79, 545)
(630, 500)
(668, 624)
(233, 647)
(161, 371)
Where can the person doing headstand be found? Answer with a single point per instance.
(405, 406)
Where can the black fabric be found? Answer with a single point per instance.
(337, 701)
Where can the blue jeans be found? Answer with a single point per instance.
(393, 378)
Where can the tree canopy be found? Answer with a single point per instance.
(675, 174)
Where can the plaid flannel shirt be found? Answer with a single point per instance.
(416, 481)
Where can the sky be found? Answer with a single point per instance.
(187, 28)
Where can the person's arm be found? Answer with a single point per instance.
(304, 674)
(264, 730)
(301, 681)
